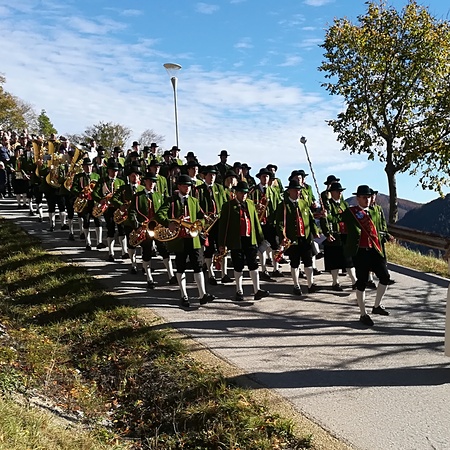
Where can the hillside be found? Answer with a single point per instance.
(433, 217)
(404, 206)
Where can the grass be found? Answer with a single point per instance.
(401, 255)
(133, 385)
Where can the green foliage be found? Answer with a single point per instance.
(80, 347)
(11, 110)
(45, 126)
(391, 68)
(109, 134)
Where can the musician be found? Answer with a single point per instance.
(161, 182)
(247, 177)
(211, 197)
(166, 162)
(120, 160)
(174, 173)
(83, 186)
(266, 200)
(99, 163)
(19, 165)
(183, 206)
(240, 232)
(237, 169)
(131, 159)
(229, 184)
(325, 195)
(154, 152)
(295, 221)
(192, 168)
(69, 200)
(102, 194)
(336, 236)
(145, 157)
(222, 166)
(364, 245)
(121, 199)
(144, 205)
(275, 182)
(52, 177)
(190, 156)
(175, 153)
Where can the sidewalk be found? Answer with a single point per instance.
(386, 387)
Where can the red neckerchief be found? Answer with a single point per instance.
(367, 226)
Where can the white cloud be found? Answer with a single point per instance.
(317, 2)
(206, 8)
(310, 43)
(294, 21)
(244, 43)
(291, 60)
(131, 12)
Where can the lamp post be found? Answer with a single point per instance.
(171, 69)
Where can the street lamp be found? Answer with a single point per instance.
(171, 69)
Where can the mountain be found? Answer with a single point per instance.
(404, 206)
(433, 217)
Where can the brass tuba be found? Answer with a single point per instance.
(82, 200)
(52, 177)
(38, 152)
(164, 234)
(140, 234)
(74, 167)
(101, 207)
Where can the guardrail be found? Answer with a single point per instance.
(434, 241)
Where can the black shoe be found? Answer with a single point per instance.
(212, 281)
(207, 298)
(337, 287)
(261, 294)
(173, 280)
(100, 246)
(40, 219)
(64, 227)
(150, 285)
(111, 258)
(185, 302)
(380, 310)
(277, 274)
(239, 297)
(125, 256)
(317, 272)
(265, 276)
(52, 229)
(371, 285)
(226, 279)
(297, 290)
(313, 288)
(133, 271)
(71, 237)
(366, 320)
(82, 236)
(283, 260)
(319, 255)
(391, 281)
(88, 248)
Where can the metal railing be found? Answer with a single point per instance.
(435, 241)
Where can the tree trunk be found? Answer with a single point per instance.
(392, 183)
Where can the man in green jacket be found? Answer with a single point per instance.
(295, 225)
(240, 231)
(183, 207)
(364, 245)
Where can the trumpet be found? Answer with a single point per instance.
(210, 220)
(285, 244)
(164, 234)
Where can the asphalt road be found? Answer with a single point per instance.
(385, 387)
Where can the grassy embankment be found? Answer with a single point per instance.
(131, 385)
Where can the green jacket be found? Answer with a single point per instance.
(139, 206)
(230, 225)
(173, 209)
(330, 224)
(354, 230)
(205, 197)
(161, 185)
(81, 180)
(287, 225)
(105, 187)
(273, 197)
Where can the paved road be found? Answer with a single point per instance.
(386, 387)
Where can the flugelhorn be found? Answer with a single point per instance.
(164, 234)
(140, 234)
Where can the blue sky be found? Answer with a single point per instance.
(249, 81)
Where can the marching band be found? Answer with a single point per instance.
(200, 214)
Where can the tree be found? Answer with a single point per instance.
(45, 126)
(392, 70)
(149, 136)
(11, 111)
(109, 134)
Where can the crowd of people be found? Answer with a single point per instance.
(203, 215)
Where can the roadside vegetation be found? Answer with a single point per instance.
(401, 255)
(127, 382)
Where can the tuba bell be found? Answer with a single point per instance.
(140, 234)
(101, 207)
(121, 213)
(184, 227)
(82, 200)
